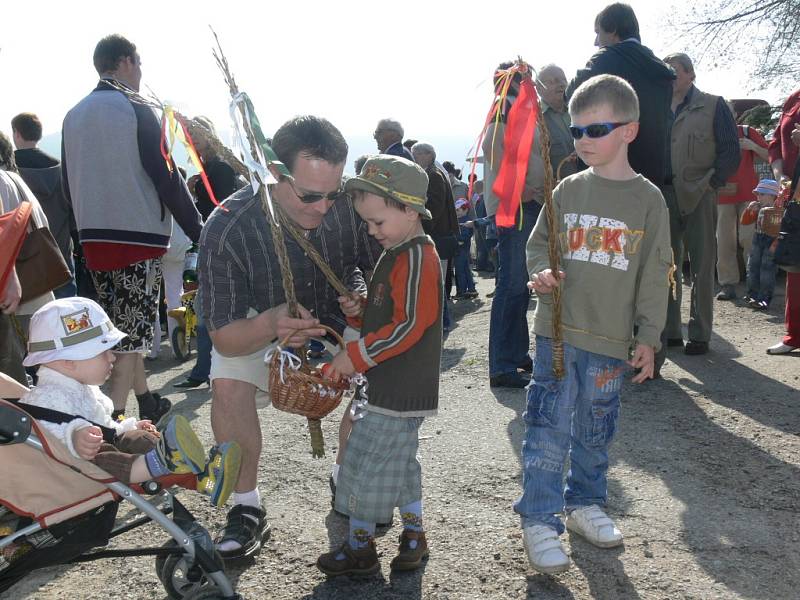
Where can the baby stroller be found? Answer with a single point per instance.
(69, 518)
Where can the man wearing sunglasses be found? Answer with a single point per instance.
(243, 302)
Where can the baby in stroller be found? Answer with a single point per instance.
(71, 339)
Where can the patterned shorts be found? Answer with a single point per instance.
(380, 468)
(130, 298)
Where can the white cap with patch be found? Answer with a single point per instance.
(70, 329)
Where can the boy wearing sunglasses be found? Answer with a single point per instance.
(613, 236)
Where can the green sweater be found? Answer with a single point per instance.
(616, 254)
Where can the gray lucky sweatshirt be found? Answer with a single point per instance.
(616, 254)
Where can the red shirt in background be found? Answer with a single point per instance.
(745, 177)
(781, 146)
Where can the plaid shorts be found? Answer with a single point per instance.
(130, 298)
(380, 468)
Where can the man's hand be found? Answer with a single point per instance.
(340, 366)
(352, 305)
(87, 441)
(644, 359)
(9, 299)
(299, 330)
(544, 282)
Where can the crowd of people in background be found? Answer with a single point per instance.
(124, 219)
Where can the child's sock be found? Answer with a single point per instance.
(361, 533)
(412, 519)
(155, 465)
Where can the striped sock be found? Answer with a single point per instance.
(412, 519)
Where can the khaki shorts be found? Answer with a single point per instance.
(251, 369)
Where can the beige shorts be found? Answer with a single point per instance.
(251, 369)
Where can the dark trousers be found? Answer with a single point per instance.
(118, 458)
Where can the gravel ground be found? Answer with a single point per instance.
(704, 484)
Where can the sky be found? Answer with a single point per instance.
(427, 64)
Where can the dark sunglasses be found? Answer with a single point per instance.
(339, 194)
(594, 130)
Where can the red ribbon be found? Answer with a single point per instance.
(518, 141)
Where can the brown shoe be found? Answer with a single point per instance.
(355, 562)
(408, 559)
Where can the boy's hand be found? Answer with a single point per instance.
(87, 441)
(340, 366)
(146, 425)
(352, 305)
(544, 282)
(644, 359)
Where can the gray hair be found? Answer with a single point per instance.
(682, 59)
(423, 148)
(549, 67)
(391, 125)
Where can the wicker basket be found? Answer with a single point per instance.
(299, 392)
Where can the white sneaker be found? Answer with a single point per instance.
(594, 525)
(780, 348)
(545, 552)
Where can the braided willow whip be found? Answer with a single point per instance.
(553, 246)
(314, 425)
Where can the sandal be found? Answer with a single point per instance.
(248, 527)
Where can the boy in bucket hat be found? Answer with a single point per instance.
(399, 351)
(71, 339)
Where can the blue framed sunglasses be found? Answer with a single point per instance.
(595, 130)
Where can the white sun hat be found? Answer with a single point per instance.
(70, 329)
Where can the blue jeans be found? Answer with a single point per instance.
(576, 415)
(464, 280)
(761, 268)
(509, 342)
(202, 366)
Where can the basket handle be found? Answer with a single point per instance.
(333, 332)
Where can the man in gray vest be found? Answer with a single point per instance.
(704, 154)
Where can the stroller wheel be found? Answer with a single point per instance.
(181, 579)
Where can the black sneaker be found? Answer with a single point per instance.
(510, 380)
(695, 348)
(162, 407)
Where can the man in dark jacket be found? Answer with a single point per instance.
(42, 173)
(622, 53)
(389, 138)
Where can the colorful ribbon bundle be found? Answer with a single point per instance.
(173, 126)
(518, 140)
